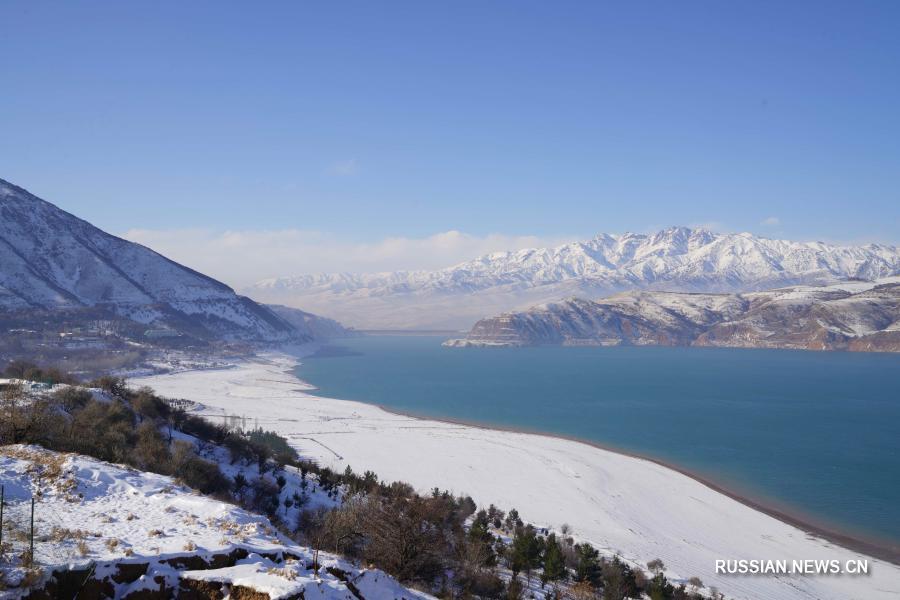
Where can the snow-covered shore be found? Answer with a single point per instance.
(622, 504)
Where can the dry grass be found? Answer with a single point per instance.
(17, 535)
(286, 572)
(83, 548)
(63, 534)
(190, 546)
(47, 471)
(155, 533)
(111, 544)
(26, 558)
(32, 577)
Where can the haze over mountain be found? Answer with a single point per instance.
(52, 261)
(674, 259)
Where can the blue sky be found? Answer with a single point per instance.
(359, 122)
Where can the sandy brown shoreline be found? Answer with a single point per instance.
(879, 549)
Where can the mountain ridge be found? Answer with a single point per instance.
(53, 261)
(854, 315)
(676, 259)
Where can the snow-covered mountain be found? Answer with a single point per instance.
(674, 259)
(852, 315)
(319, 328)
(51, 260)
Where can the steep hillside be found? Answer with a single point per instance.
(314, 326)
(675, 259)
(106, 531)
(856, 315)
(54, 261)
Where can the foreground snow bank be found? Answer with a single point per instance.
(131, 531)
(621, 504)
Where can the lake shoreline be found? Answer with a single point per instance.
(624, 504)
(873, 548)
(836, 532)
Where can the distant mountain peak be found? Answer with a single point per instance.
(678, 258)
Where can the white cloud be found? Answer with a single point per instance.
(343, 168)
(240, 258)
(770, 221)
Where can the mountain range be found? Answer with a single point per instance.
(52, 262)
(675, 259)
(851, 315)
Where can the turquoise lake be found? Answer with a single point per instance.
(815, 433)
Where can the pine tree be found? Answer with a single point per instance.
(554, 562)
(660, 588)
(588, 565)
(526, 551)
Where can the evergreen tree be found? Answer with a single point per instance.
(515, 589)
(587, 567)
(480, 535)
(525, 554)
(554, 562)
(512, 519)
(660, 588)
(618, 581)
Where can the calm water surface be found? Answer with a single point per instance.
(816, 433)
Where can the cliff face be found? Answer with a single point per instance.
(858, 316)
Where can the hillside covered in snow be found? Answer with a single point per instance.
(53, 263)
(674, 259)
(106, 531)
(855, 315)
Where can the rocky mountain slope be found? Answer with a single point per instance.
(675, 259)
(52, 261)
(318, 328)
(854, 315)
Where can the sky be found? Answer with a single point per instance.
(287, 137)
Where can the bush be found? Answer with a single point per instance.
(240, 448)
(113, 385)
(195, 472)
(20, 369)
(103, 430)
(146, 404)
(201, 428)
(278, 445)
(151, 452)
(27, 421)
(72, 398)
(266, 496)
